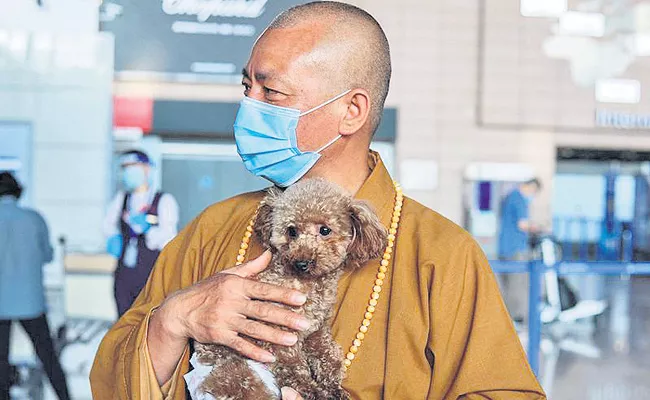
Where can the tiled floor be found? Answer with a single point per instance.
(613, 361)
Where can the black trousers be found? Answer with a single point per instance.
(39, 333)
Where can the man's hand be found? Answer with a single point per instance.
(219, 310)
(290, 394)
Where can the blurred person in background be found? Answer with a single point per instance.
(140, 221)
(514, 237)
(24, 249)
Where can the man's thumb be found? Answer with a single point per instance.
(253, 267)
(290, 394)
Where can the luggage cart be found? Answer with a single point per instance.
(89, 313)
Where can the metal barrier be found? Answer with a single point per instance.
(586, 239)
(536, 270)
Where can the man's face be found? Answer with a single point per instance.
(285, 69)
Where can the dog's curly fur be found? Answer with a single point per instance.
(316, 232)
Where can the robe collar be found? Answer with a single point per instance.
(378, 189)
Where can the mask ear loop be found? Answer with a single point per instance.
(326, 103)
(331, 142)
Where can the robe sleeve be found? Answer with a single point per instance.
(121, 369)
(150, 389)
(476, 351)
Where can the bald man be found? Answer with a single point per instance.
(436, 328)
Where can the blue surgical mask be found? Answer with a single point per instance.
(266, 141)
(133, 177)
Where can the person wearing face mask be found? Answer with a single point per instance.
(140, 221)
(424, 321)
(514, 238)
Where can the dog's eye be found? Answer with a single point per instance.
(325, 230)
(292, 232)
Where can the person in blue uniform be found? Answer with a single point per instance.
(24, 249)
(514, 236)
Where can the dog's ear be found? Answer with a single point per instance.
(369, 236)
(264, 219)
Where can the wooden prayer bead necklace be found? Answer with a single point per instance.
(379, 278)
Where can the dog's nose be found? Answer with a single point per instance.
(302, 265)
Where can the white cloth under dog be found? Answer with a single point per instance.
(195, 378)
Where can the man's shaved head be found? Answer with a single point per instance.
(353, 51)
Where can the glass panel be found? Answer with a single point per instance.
(198, 182)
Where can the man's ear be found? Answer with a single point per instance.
(264, 218)
(357, 113)
(369, 237)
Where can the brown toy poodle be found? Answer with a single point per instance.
(316, 231)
